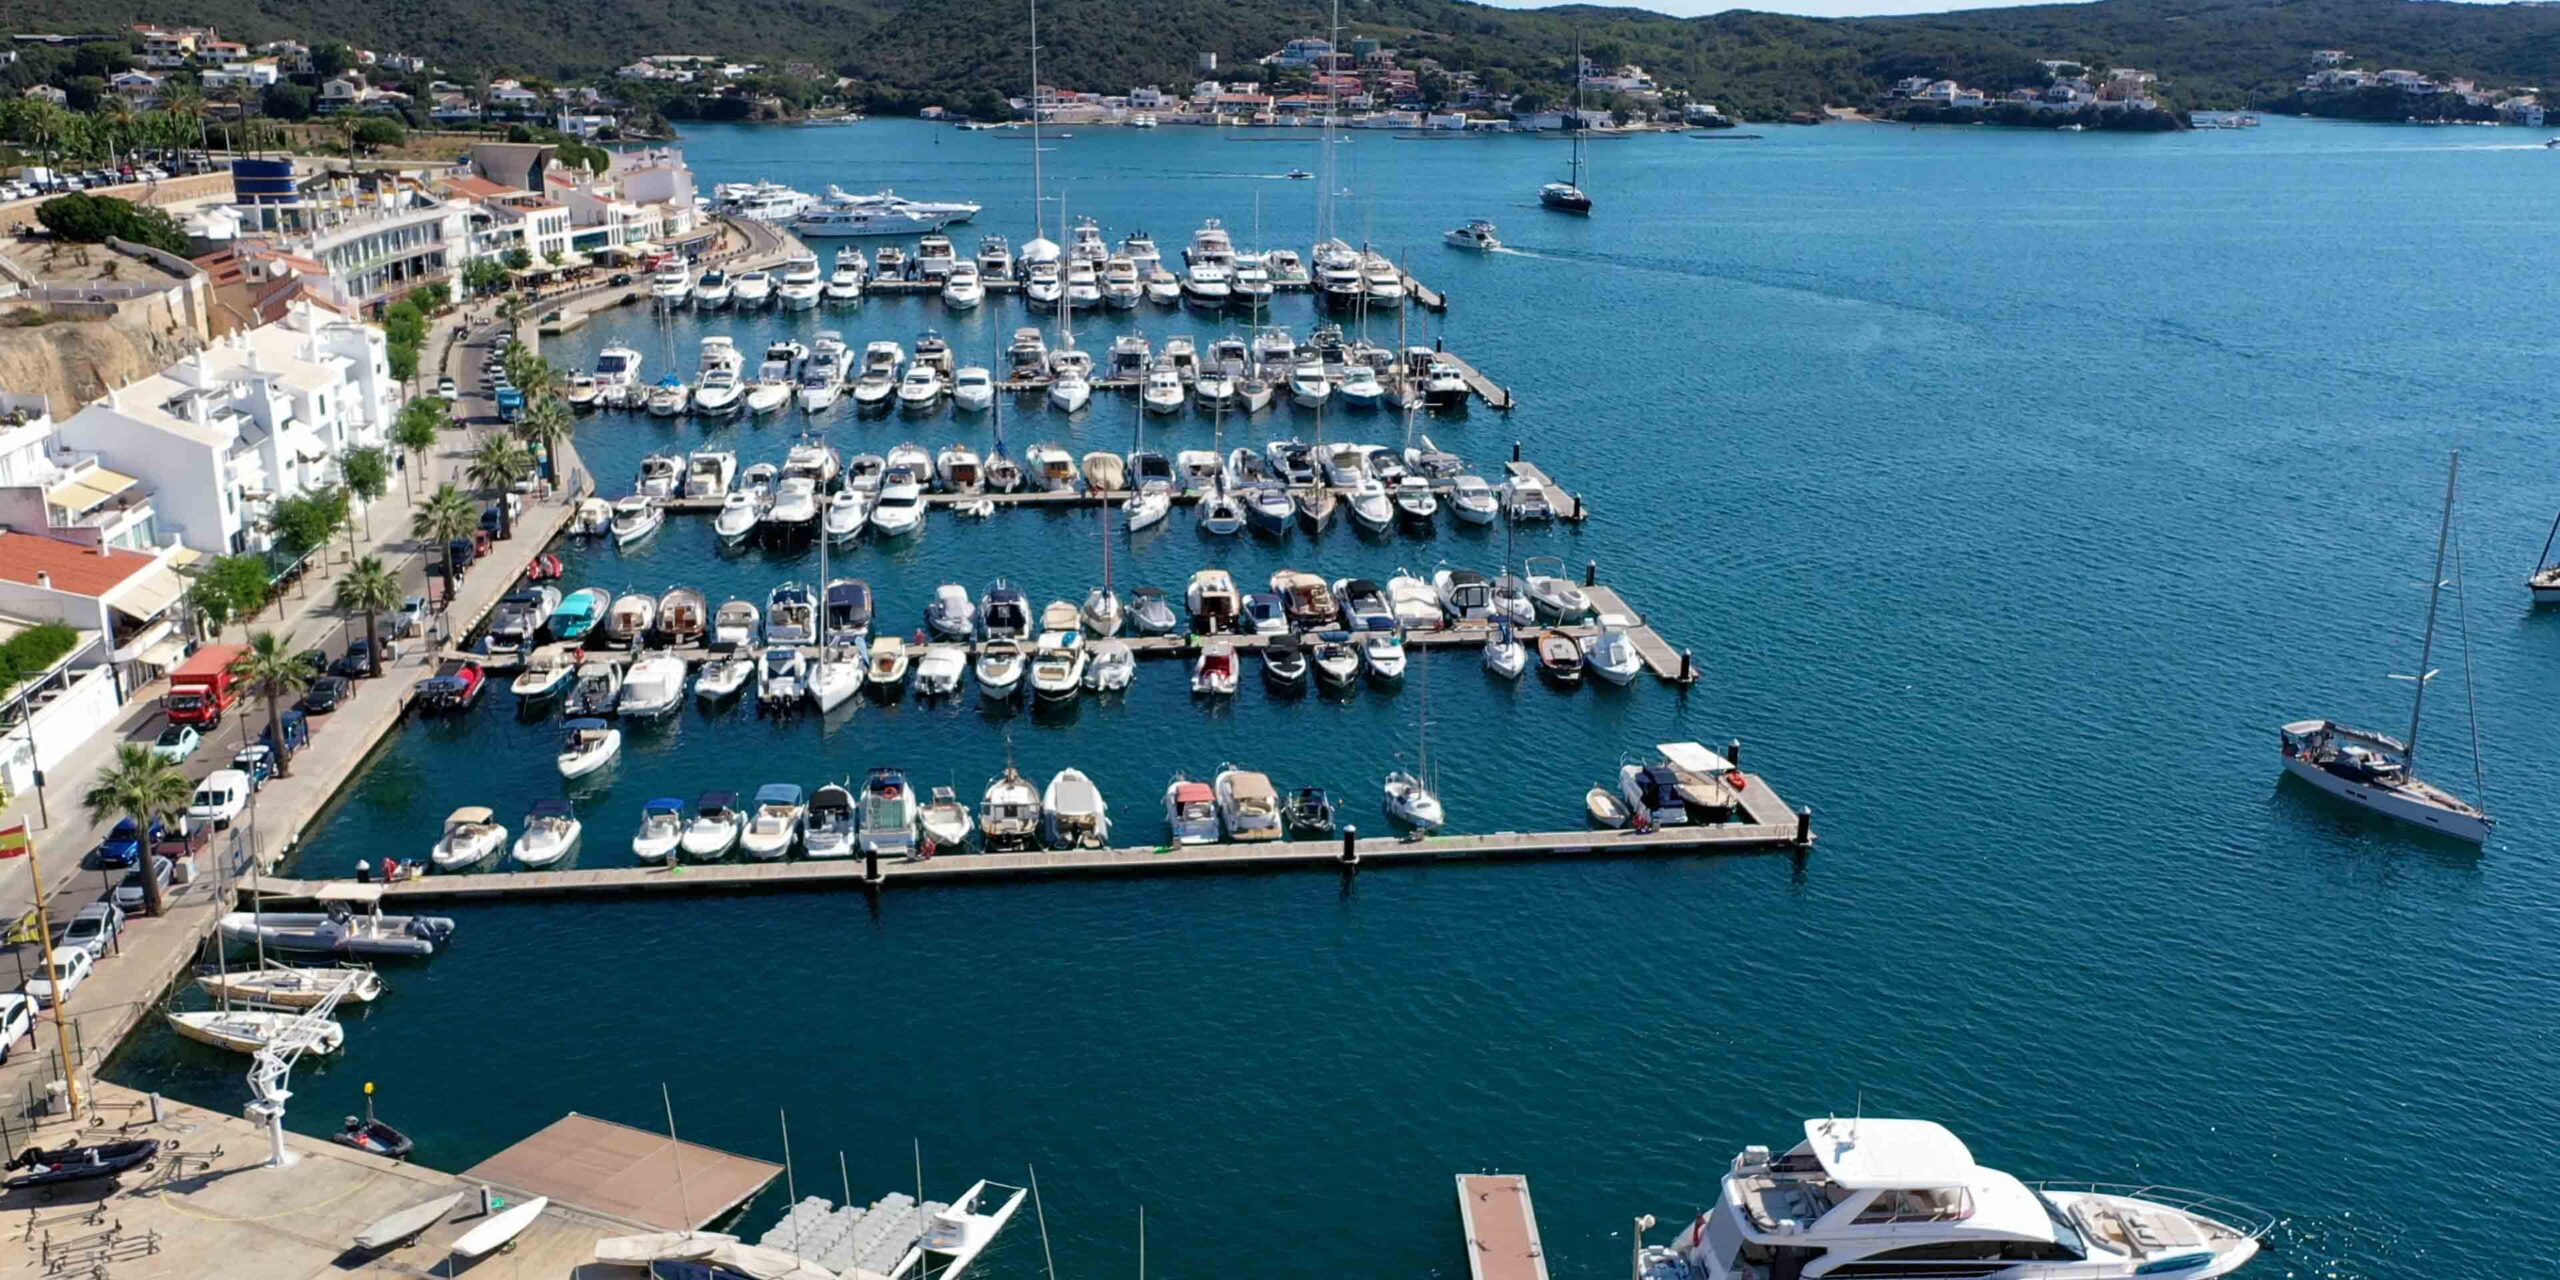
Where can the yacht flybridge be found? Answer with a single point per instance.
(1873, 1197)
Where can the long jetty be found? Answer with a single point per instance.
(1766, 823)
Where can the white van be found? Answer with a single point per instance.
(220, 798)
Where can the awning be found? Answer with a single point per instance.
(148, 594)
(184, 557)
(143, 641)
(91, 488)
(164, 653)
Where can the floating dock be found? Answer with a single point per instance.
(1766, 824)
(1502, 1230)
(630, 1174)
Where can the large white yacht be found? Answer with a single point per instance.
(800, 284)
(763, 201)
(672, 286)
(1873, 1197)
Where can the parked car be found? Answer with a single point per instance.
(92, 929)
(445, 387)
(123, 845)
(325, 694)
(405, 620)
(258, 761)
(130, 894)
(314, 661)
(70, 969)
(219, 798)
(358, 661)
(176, 743)
(17, 1018)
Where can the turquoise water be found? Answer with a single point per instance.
(2011, 487)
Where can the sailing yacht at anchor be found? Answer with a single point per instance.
(2380, 772)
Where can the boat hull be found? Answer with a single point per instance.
(2468, 828)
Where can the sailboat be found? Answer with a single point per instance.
(2378, 772)
(1004, 475)
(1567, 196)
(2544, 581)
(1221, 516)
(1411, 798)
(1101, 613)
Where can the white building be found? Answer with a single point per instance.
(63, 494)
(258, 416)
(123, 607)
(646, 198)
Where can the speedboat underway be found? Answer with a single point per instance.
(1871, 1197)
(1477, 235)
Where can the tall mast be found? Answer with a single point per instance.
(1066, 319)
(1039, 206)
(2435, 593)
(1324, 197)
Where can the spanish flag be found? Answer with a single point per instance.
(14, 842)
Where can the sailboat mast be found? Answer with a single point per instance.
(1039, 204)
(2435, 594)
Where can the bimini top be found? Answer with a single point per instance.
(715, 800)
(778, 793)
(1867, 1153)
(663, 804)
(472, 815)
(551, 809)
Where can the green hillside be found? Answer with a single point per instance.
(2209, 53)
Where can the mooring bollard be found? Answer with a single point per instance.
(1577, 508)
(158, 1112)
(1685, 673)
(1591, 573)
(871, 868)
(1804, 826)
(1350, 846)
(1515, 451)
(1733, 752)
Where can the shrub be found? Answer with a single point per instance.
(92, 219)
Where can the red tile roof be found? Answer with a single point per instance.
(477, 188)
(78, 570)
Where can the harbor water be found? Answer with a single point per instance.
(2011, 489)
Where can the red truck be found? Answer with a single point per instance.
(202, 687)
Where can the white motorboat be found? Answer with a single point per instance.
(1609, 654)
(888, 815)
(1077, 817)
(1213, 673)
(551, 831)
(1863, 1195)
(1009, 814)
(1382, 285)
(773, 824)
(1121, 290)
(1504, 655)
(713, 829)
(661, 829)
(844, 284)
(471, 836)
(1052, 469)
(1110, 664)
(900, 509)
(1416, 603)
(846, 512)
(1472, 500)
(724, 677)
(708, 473)
(1308, 387)
(720, 393)
(973, 389)
(1370, 507)
(1057, 665)
(751, 289)
(793, 513)
(800, 284)
(594, 690)
(999, 669)
(1476, 236)
(995, 258)
(652, 687)
(936, 259)
(671, 285)
(1465, 596)
(886, 670)
(946, 822)
(547, 671)
(1190, 811)
(1248, 805)
(941, 668)
(587, 745)
(1554, 591)
(582, 391)
(1360, 388)
(1382, 653)
(1162, 287)
(256, 1030)
(635, 518)
(594, 518)
(617, 372)
(1335, 659)
(1250, 284)
(734, 624)
(920, 390)
(1443, 387)
(876, 388)
(1043, 285)
(951, 614)
(1083, 286)
(1416, 504)
(661, 476)
(1069, 391)
(963, 290)
(821, 384)
(782, 677)
(1163, 391)
(827, 831)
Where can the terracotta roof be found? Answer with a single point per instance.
(476, 188)
(75, 569)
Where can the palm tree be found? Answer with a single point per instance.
(188, 104)
(415, 430)
(537, 378)
(273, 671)
(546, 425)
(447, 514)
(512, 310)
(500, 462)
(141, 786)
(370, 589)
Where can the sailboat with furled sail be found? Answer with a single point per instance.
(1567, 196)
(2381, 773)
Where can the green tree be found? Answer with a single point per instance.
(272, 670)
(483, 276)
(546, 424)
(537, 378)
(331, 58)
(231, 588)
(518, 258)
(415, 430)
(92, 219)
(141, 786)
(370, 589)
(367, 471)
(306, 521)
(285, 101)
(446, 515)
(496, 466)
(373, 133)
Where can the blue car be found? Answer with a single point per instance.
(122, 847)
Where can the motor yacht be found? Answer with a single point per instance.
(782, 677)
(1121, 287)
(1865, 1195)
(1443, 387)
(995, 258)
(1250, 285)
(1043, 284)
(551, 832)
(713, 829)
(720, 393)
(671, 285)
(939, 670)
(750, 290)
(821, 384)
(635, 518)
(900, 508)
(651, 688)
(963, 290)
(711, 292)
(936, 259)
(1383, 286)
(1335, 658)
(1076, 816)
(890, 263)
(1476, 236)
(888, 815)
(1208, 286)
(1028, 355)
(800, 284)
(1083, 286)
(844, 284)
(827, 827)
(973, 389)
(1338, 278)
(617, 370)
(1525, 500)
(1162, 287)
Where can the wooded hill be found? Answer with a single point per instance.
(908, 53)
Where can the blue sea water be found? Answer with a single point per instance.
(2011, 488)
